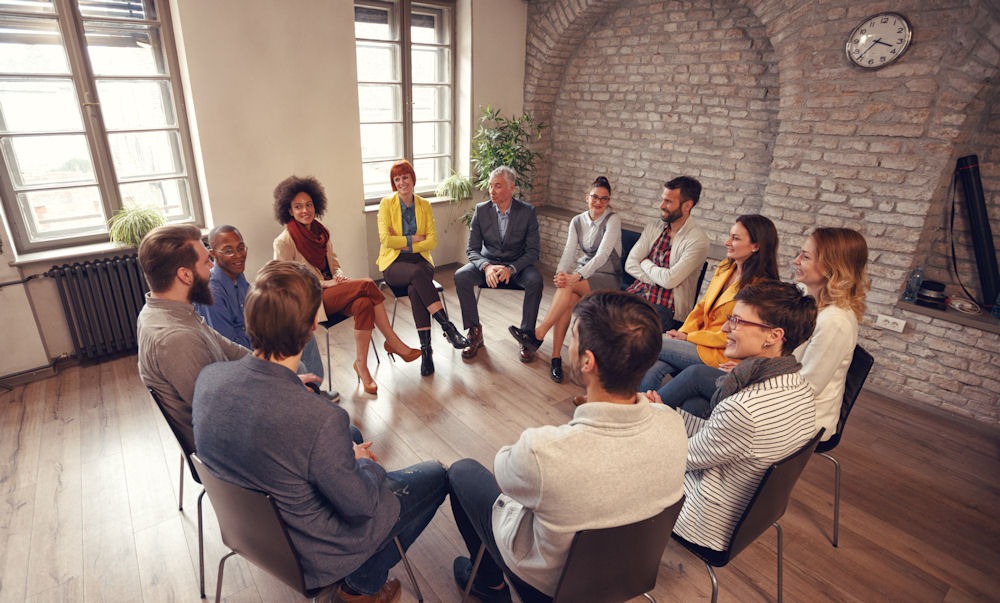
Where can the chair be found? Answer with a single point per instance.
(252, 527)
(185, 458)
(503, 286)
(331, 321)
(398, 292)
(611, 565)
(861, 365)
(764, 509)
(629, 239)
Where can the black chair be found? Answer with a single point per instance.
(764, 509)
(398, 292)
(252, 527)
(610, 565)
(331, 321)
(629, 239)
(500, 286)
(857, 374)
(185, 458)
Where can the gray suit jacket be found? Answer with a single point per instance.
(520, 248)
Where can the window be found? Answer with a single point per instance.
(405, 59)
(90, 119)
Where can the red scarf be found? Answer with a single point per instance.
(311, 242)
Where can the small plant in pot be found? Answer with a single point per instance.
(130, 224)
(458, 188)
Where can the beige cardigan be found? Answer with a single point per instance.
(285, 249)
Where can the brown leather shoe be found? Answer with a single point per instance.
(527, 354)
(475, 338)
(389, 594)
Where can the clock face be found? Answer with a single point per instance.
(879, 40)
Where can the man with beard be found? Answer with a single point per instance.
(174, 341)
(619, 460)
(665, 261)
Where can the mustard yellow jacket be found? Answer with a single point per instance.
(704, 324)
(390, 230)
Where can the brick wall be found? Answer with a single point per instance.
(757, 100)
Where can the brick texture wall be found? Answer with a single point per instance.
(757, 100)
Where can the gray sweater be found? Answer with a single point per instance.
(611, 465)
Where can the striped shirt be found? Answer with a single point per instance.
(729, 453)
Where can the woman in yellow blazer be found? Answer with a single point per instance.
(751, 256)
(406, 237)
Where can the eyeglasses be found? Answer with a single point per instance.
(230, 252)
(594, 197)
(735, 321)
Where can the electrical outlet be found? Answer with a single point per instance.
(888, 322)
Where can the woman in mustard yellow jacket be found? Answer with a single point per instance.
(751, 256)
(406, 237)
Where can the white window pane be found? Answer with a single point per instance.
(28, 6)
(140, 154)
(432, 138)
(38, 105)
(430, 171)
(381, 142)
(123, 49)
(59, 213)
(171, 196)
(31, 46)
(431, 102)
(374, 22)
(378, 62)
(431, 65)
(429, 25)
(380, 102)
(118, 9)
(48, 160)
(134, 104)
(376, 178)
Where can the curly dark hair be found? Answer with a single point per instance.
(291, 186)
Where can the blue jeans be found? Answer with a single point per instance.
(692, 389)
(675, 356)
(311, 358)
(421, 489)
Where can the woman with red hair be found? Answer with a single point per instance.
(406, 238)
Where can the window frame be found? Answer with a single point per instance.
(402, 11)
(70, 22)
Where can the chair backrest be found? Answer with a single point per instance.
(771, 498)
(252, 527)
(857, 374)
(186, 448)
(616, 564)
(629, 239)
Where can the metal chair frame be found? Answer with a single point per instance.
(398, 292)
(331, 321)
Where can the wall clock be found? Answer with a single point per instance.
(879, 40)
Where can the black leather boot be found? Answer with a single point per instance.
(556, 373)
(451, 333)
(426, 353)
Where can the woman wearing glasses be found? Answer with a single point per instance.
(832, 268)
(297, 204)
(591, 261)
(751, 256)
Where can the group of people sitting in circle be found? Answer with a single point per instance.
(756, 369)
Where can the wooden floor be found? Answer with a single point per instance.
(88, 484)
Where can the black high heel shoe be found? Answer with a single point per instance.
(556, 372)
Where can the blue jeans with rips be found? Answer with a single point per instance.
(692, 389)
(421, 489)
(675, 356)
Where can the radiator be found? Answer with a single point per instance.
(102, 300)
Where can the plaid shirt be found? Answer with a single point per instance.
(659, 254)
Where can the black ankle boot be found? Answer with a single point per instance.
(556, 373)
(426, 353)
(451, 333)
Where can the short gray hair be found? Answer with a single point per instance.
(508, 173)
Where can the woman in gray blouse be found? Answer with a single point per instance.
(591, 261)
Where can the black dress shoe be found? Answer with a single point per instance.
(526, 354)
(462, 569)
(556, 372)
(527, 339)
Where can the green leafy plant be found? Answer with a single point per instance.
(130, 224)
(505, 141)
(456, 187)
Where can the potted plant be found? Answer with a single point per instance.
(505, 141)
(457, 188)
(130, 224)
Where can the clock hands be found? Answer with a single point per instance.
(872, 45)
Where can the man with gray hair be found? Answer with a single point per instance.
(503, 248)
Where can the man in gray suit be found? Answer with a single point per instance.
(503, 249)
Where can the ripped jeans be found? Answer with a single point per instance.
(421, 489)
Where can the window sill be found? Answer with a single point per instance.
(75, 254)
(983, 321)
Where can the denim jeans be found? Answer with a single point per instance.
(473, 490)
(421, 489)
(311, 359)
(692, 389)
(675, 356)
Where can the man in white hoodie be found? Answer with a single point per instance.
(619, 460)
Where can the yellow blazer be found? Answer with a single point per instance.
(704, 324)
(390, 229)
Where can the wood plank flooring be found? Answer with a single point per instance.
(89, 477)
